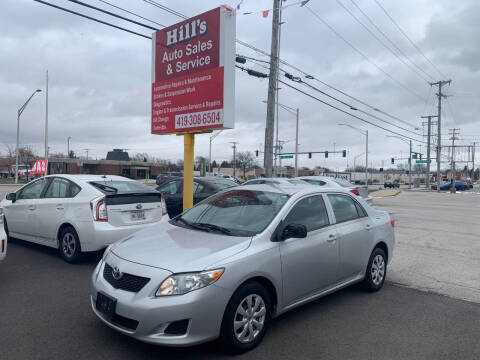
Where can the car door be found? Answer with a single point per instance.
(21, 214)
(173, 193)
(354, 233)
(309, 264)
(51, 208)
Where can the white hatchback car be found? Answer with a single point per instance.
(80, 213)
(3, 238)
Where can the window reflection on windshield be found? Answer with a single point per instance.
(243, 212)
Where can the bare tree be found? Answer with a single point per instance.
(27, 156)
(142, 157)
(246, 160)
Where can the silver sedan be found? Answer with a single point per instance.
(225, 267)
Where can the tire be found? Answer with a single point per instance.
(230, 338)
(376, 271)
(69, 245)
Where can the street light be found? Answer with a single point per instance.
(409, 158)
(355, 160)
(295, 112)
(212, 137)
(68, 146)
(20, 111)
(363, 132)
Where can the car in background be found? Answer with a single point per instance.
(361, 191)
(275, 181)
(3, 237)
(81, 213)
(459, 186)
(226, 267)
(391, 184)
(203, 187)
(161, 178)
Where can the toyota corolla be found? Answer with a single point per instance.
(225, 267)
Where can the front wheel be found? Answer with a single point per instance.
(70, 245)
(246, 318)
(376, 271)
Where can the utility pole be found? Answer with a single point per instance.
(429, 136)
(453, 133)
(46, 126)
(234, 157)
(212, 137)
(410, 167)
(87, 152)
(68, 146)
(296, 144)
(272, 81)
(277, 150)
(439, 123)
(366, 158)
(473, 161)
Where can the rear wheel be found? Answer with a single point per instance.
(246, 318)
(376, 271)
(70, 245)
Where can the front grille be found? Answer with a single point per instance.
(127, 282)
(125, 322)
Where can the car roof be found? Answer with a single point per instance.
(87, 177)
(290, 189)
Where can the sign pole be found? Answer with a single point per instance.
(188, 158)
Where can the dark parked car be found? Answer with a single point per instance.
(459, 186)
(391, 184)
(203, 187)
(167, 176)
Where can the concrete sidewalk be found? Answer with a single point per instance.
(385, 192)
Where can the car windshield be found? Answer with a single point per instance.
(296, 182)
(234, 212)
(343, 183)
(221, 184)
(120, 187)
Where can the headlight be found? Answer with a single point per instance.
(1, 215)
(180, 284)
(107, 250)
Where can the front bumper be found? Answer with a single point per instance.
(202, 308)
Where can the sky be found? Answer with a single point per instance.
(100, 77)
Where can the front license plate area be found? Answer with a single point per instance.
(106, 305)
(137, 215)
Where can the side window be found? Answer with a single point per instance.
(74, 189)
(315, 182)
(172, 187)
(310, 212)
(197, 188)
(344, 207)
(33, 191)
(360, 210)
(58, 188)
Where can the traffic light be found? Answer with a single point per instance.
(381, 169)
(256, 153)
(393, 160)
(344, 153)
(420, 156)
(309, 155)
(326, 154)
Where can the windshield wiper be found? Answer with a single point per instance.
(191, 225)
(214, 227)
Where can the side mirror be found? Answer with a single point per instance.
(293, 231)
(12, 197)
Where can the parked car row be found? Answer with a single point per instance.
(221, 269)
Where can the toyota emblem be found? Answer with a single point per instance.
(117, 275)
(139, 206)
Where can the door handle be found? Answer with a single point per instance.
(60, 207)
(31, 207)
(368, 227)
(331, 238)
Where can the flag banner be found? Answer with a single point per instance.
(265, 13)
(39, 168)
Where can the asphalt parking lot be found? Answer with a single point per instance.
(45, 310)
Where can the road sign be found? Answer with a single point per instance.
(422, 161)
(414, 156)
(286, 156)
(193, 74)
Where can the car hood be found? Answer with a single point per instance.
(178, 249)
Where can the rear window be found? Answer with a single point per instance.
(223, 183)
(342, 182)
(296, 182)
(121, 187)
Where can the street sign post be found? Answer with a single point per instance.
(422, 161)
(286, 156)
(193, 81)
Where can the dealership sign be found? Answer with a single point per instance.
(193, 74)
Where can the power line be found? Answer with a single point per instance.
(362, 54)
(166, 8)
(93, 19)
(408, 38)
(346, 112)
(112, 14)
(380, 41)
(132, 13)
